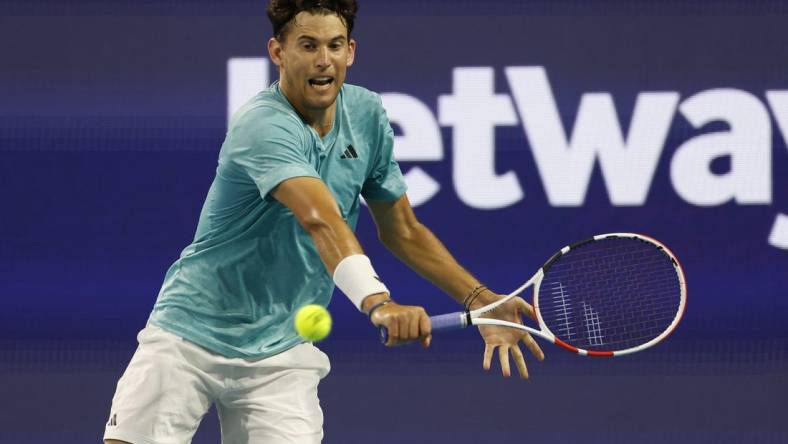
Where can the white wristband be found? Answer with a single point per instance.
(357, 279)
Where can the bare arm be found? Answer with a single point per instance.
(316, 210)
(415, 245)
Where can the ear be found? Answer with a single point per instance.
(275, 50)
(351, 52)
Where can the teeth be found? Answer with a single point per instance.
(321, 80)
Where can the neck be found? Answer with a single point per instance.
(321, 120)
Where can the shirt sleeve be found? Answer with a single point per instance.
(269, 149)
(385, 181)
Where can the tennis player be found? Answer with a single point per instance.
(276, 233)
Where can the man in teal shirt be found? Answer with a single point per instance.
(276, 233)
(236, 288)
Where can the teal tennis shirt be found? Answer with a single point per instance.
(236, 288)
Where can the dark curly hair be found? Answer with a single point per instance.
(282, 12)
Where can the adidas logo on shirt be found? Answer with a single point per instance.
(350, 153)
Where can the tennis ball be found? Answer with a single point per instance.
(313, 322)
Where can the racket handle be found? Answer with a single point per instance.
(449, 321)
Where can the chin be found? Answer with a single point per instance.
(323, 102)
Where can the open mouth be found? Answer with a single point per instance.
(321, 82)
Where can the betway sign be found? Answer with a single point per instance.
(565, 160)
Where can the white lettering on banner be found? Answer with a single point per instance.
(566, 162)
(246, 76)
(748, 143)
(565, 167)
(778, 101)
(778, 237)
(473, 111)
(420, 141)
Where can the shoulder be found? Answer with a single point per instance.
(264, 126)
(358, 97)
(365, 109)
(264, 115)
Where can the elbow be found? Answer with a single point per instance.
(315, 222)
(403, 234)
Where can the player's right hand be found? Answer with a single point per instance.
(405, 323)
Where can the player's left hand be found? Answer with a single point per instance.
(506, 339)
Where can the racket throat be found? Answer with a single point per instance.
(597, 354)
(566, 346)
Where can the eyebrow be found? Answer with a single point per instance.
(308, 37)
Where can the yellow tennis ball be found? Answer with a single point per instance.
(313, 322)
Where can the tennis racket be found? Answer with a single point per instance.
(611, 295)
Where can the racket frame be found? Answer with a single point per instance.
(473, 317)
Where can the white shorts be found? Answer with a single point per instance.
(171, 383)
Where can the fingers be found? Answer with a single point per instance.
(404, 329)
(519, 360)
(532, 345)
(393, 328)
(426, 330)
(526, 308)
(404, 324)
(414, 323)
(488, 352)
(503, 356)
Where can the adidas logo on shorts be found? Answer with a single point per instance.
(113, 420)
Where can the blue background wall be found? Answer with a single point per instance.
(111, 116)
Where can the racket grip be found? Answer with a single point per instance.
(449, 321)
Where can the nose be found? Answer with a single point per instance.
(322, 60)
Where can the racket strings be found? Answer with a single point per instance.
(610, 294)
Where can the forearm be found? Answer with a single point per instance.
(318, 214)
(423, 252)
(333, 240)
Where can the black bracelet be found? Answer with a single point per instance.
(376, 306)
(468, 305)
(473, 295)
